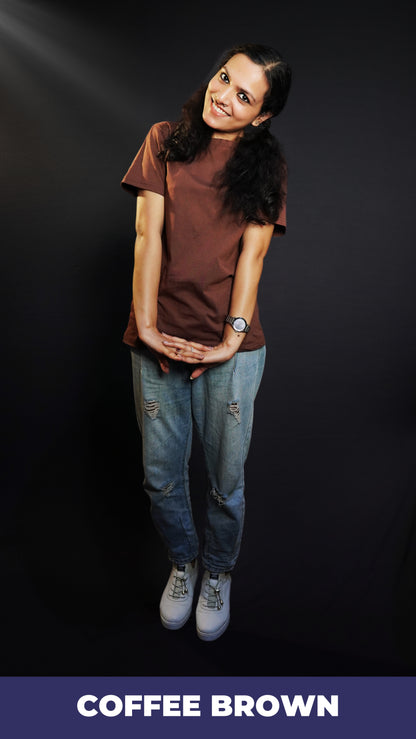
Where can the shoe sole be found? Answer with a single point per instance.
(212, 635)
(174, 625)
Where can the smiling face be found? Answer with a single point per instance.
(234, 97)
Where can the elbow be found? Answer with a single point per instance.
(259, 257)
(147, 241)
(141, 229)
(148, 237)
(255, 253)
(257, 262)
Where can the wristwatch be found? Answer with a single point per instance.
(239, 324)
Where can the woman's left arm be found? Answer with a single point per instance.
(255, 243)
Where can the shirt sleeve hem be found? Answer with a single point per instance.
(134, 187)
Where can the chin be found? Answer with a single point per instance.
(210, 123)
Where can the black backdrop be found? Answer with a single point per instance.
(326, 579)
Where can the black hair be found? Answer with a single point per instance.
(253, 180)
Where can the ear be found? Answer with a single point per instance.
(261, 118)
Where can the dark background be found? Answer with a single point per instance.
(326, 578)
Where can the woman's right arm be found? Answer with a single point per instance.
(146, 276)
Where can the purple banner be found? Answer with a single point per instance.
(292, 707)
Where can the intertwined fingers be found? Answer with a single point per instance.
(190, 351)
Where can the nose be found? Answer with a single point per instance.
(223, 97)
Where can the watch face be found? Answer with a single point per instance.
(239, 324)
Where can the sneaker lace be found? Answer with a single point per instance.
(179, 586)
(213, 595)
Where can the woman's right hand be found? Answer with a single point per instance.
(190, 351)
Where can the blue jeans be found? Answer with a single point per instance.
(220, 405)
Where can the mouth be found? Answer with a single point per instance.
(217, 109)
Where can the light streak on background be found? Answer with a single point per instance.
(40, 51)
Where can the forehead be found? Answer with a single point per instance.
(247, 74)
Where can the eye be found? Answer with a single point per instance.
(224, 77)
(243, 97)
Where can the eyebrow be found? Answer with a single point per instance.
(246, 92)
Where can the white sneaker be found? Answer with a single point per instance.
(213, 609)
(177, 597)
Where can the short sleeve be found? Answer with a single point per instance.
(147, 171)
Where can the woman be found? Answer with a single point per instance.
(210, 194)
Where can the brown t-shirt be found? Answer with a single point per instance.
(200, 242)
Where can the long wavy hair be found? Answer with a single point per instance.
(253, 180)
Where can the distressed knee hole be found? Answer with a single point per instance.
(151, 408)
(217, 497)
(234, 410)
(168, 488)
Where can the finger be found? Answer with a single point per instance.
(193, 354)
(191, 359)
(164, 364)
(186, 349)
(200, 347)
(162, 361)
(198, 372)
(177, 341)
(174, 344)
(185, 353)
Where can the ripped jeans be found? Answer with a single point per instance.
(220, 405)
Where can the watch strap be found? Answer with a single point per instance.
(232, 319)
